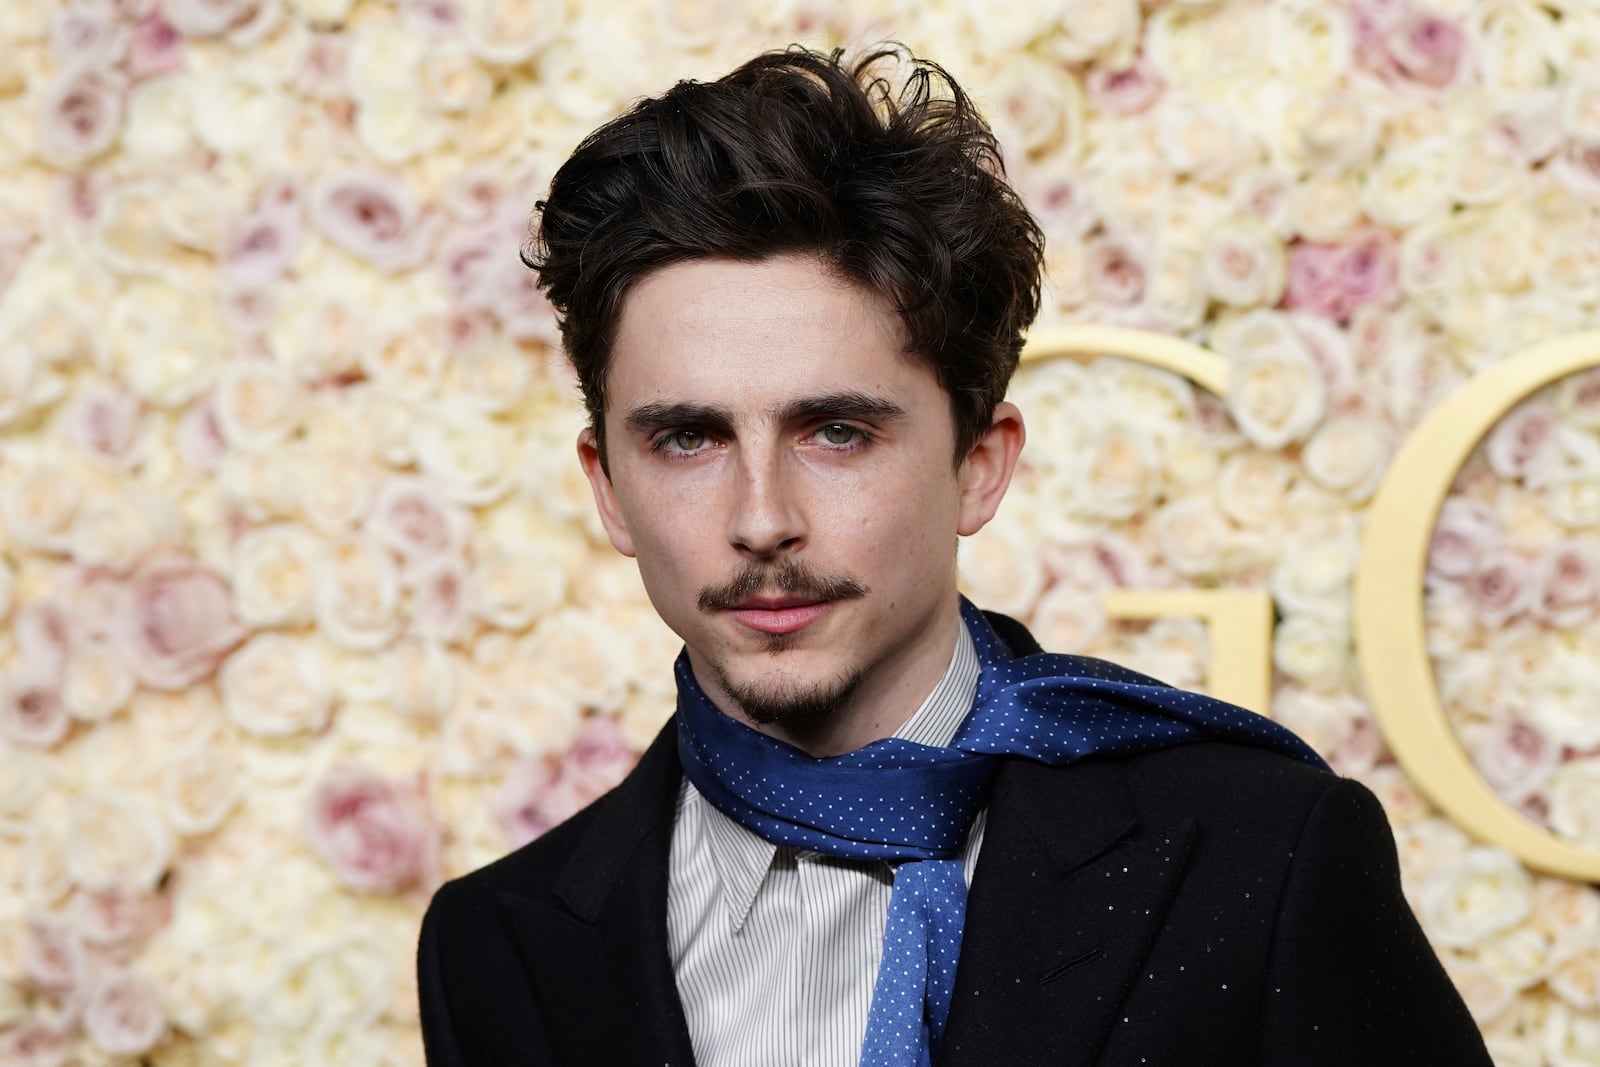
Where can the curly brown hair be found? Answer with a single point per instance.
(902, 192)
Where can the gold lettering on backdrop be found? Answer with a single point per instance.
(1388, 627)
(1238, 621)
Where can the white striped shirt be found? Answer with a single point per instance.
(775, 949)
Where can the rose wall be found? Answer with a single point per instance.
(304, 605)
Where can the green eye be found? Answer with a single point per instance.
(837, 433)
(688, 440)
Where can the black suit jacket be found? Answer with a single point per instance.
(1210, 904)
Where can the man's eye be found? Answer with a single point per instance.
(685, 441)
(838, 433)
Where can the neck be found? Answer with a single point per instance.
(890, 692)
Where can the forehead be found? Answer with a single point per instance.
(744, 333)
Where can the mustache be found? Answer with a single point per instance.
(790, 576)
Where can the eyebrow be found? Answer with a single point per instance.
(847, 404)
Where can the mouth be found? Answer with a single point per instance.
(779, 615)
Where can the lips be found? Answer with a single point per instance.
(779, 616)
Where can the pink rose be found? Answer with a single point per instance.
(1527, 126)
(1464, 535)
(467, 258)
(600, 757)
(87, 34)
(105, 424)
(44, 631)
(117, 919)
(262, 245)
(372, 215)
(1425, 49)
(1127, 91)
(1368, 268)
(441, 598)
(35, 1043)
(1501, 588)
(414, 519)
(1514, 757)
(1578, 168)
(534, 798)
(435, 17)
(32, 712)
(1315, 280)
(200, 440)
(476, 194)
(371, 832)
(81, 115)
(175, 622)
(53, 956)
(1111, 561)
(1523, 445)
(1116, 271)
(523, 311)
(323, 66)
(156, 49)
(1566, 583)
(125, 1016)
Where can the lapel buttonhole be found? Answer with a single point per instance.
(1077, 961)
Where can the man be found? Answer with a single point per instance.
(794, 299)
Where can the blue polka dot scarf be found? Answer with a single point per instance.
(908, 803)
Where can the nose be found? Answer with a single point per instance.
(766, 518)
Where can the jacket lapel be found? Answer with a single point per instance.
(1067, 897)
(608, 924)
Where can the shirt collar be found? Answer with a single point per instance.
(742, 858)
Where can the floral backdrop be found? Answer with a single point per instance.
(304, 606)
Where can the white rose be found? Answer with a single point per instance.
(1517, 46)
(421, 678)
(1568, 268)
(1486, 892)
(1572, 791)
(164, 342)
(1094, 28)
(1068, 619)
(97, 682)
(1243, 263)
(441, 599)
(1310, 43)
(493, 377)
(383, 58)
(276, 686)
(1486, 993)
(453, 81)
(8, 588)
(1313, 652)
(1340, 134)
(507, 32)
(117, 530)
(324, 13)
(1314, 579)
(26, 779)
(235, 109)
(465, 454)
(187, 716)
(158, 125)
(1570, 1039)
(274, 571)
(340, 495)
(398, 126)
(519, 583)
(1348, 454)
(1325, 208)
(1408, 186)
(200, 788)
(1037, 107)
(254, 483)
(573, 649)
(1120, 474)
(1251, 488)
(358, 595)
(258, 403)
(1568, 912)
(1520, 957)
(1192, 535)
(1000, 567)
(26, 384)
(1576, 979)
(1275, 394)
(40, 503)
(116, 841)
(1564, 702)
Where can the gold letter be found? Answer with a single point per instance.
(1388, 625)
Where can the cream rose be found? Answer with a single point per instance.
(358, 595)
(420, 678)
(116, 841)
(1251, 488)
(1325, 208)
(441, 599)
(1121, 473)
(1000, 566)
(1313, 652)
(1068, 619)
(1576, 978)
(117, 530)
(1037, 106)
(274, 573)
(1314, 579)
(411, 517)
(1275, 392)
(1408, 186)
(125, 1016)
(507, 32)
(1568, 912)
(1107, 29)
(97, 682)
(1243, 263)
(519, 583)
(257, 403)
(1466, 902)
(1573, 812)
(340, 495)
(1349, 455)
(277, 686)
(199, 789)
(39, 505)
(466, 455)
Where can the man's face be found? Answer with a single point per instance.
(782, 472)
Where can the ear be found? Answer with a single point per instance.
(986, 472)
(605, 494)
